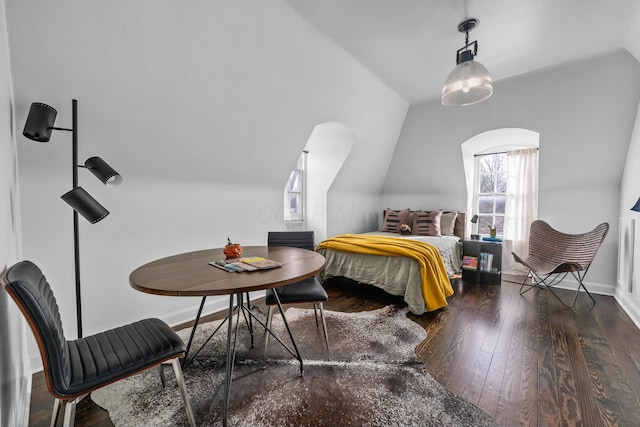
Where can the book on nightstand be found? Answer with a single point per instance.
(470, 262)
(486, 261)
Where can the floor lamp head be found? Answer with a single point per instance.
(105, 173)
(83, 203)
(40, 122)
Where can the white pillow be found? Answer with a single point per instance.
(448, 223)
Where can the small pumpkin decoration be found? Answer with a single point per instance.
(232, 250)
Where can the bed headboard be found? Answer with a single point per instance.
(460, 225)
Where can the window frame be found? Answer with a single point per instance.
(299, 192)
(495, 218)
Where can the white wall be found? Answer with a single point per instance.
(15, 374)
(328, 147)
(584, 124)
(352, 211)
(629, 194)
(204, 109)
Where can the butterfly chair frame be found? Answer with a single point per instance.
(75, 368)
(554, 254)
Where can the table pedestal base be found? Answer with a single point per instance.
(232, 337)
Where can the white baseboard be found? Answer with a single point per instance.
(26, 408)
(632, 310)
(211, 306)
(35, 362)
(570, 284)
(594, 288)
(15, 400)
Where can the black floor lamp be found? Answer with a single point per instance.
(38, 127)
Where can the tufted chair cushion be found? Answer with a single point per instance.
(308, 290)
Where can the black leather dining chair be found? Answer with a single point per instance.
(306, 291)
(75, 368)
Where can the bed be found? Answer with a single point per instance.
(399, 274)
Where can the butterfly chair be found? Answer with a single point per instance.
(73, 369)
(307, 291)
(553, 255)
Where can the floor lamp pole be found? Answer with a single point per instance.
(76, 238)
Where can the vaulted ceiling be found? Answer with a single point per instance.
(411, 44)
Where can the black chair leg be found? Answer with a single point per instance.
(524, 283)
(316, 306)
(163, 380)
(579, 278)
(266, 333)
(324, 329)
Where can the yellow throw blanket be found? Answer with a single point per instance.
(435, 282)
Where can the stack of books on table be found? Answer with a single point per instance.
(240, 265)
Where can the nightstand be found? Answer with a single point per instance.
(482, 262)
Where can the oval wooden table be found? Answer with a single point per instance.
(190, 274)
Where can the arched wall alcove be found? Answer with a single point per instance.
(328, 147)
(493, 141)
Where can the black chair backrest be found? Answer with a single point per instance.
(29, 288)
(296, 239)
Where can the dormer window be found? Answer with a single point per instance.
(295, 191)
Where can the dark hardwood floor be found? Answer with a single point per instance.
(525, 360)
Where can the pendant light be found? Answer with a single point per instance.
(470, 81)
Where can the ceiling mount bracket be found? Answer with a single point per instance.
(468, 25)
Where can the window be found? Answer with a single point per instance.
(295, 191)
(508, 196)
(492, 191)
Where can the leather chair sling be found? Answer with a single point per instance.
(554, 254)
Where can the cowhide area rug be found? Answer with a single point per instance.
(371, 379)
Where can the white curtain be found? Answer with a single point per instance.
(521, 206)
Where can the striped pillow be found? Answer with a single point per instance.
(393, 219)
(426, 223)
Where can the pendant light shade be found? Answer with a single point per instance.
(469, 82)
